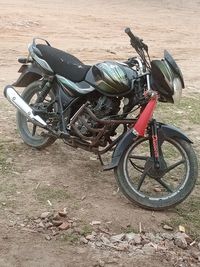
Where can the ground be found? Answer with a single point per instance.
(93, 31)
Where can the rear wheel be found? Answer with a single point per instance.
(31, 134)
(155, 188)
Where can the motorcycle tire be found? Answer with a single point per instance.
(153, 190)
(25, 127)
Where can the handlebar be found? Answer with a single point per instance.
(136, 42)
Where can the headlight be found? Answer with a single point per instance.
(177, 85)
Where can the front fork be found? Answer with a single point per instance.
(154, 144)
(141, 125)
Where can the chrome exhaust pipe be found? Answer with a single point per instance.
(15, 99)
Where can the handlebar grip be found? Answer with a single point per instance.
(129, 32)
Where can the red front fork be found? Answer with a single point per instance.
(141, 125)
(145, 116)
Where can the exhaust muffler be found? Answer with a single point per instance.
(15, 99)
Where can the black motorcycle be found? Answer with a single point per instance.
(109, 107)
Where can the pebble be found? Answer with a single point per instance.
(148, 249)
(105, 240)
(47, 237)
(180, 241)
(49, 225)
(64, 226)
(117, 238)
(56, 217)
(95, 223)
(90, 237)
(83, 240)
(167, 227)
(37, 221)
(63, 213)
(56, 223)
(41, 225)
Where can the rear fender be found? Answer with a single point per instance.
(29, 74)
(129, 138)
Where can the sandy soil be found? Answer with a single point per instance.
(90, 30)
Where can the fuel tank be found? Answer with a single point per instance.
(112, 78)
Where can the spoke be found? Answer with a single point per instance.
(138, 168)
(142, 179)
(34, 130)
(139, 157)
(164, 185)
(174, 165)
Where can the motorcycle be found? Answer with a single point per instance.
(109, 107)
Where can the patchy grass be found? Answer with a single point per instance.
(44, 193)
(188, 215)
(70, 238)
(188, 109)
(130, 229)
(86, 230)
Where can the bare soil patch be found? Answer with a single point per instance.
(69, 178)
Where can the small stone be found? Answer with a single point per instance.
(63, 213)
(83, 240)
(157, 189)
(49, 225)
(98, 244)
(105, 240)
(22, 225)
(41, 225)
(129, 236)
(37, 221)
(117, 238)
(56, 217)
(90, 237)
(167, 236)
(47, 237)
(123, 246)
(181, 228)
(148, 249)
(167, 227)
(93, 158)
(45, 215)
(54, 233)
(180, 241)
(95, 223)
(56, 223)
(64, 226)
(136, 240)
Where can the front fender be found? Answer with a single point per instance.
(29, 74)
(129, 137)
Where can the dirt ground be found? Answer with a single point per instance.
(70, 178)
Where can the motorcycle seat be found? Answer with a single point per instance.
(63, 63)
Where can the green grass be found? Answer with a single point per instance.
(44, 193)
(188, 215)
(86, 229)
(71, 238)
(187, 110)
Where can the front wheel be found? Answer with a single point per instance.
(153, 188)
(31, 134)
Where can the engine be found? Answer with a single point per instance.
(103, 108)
